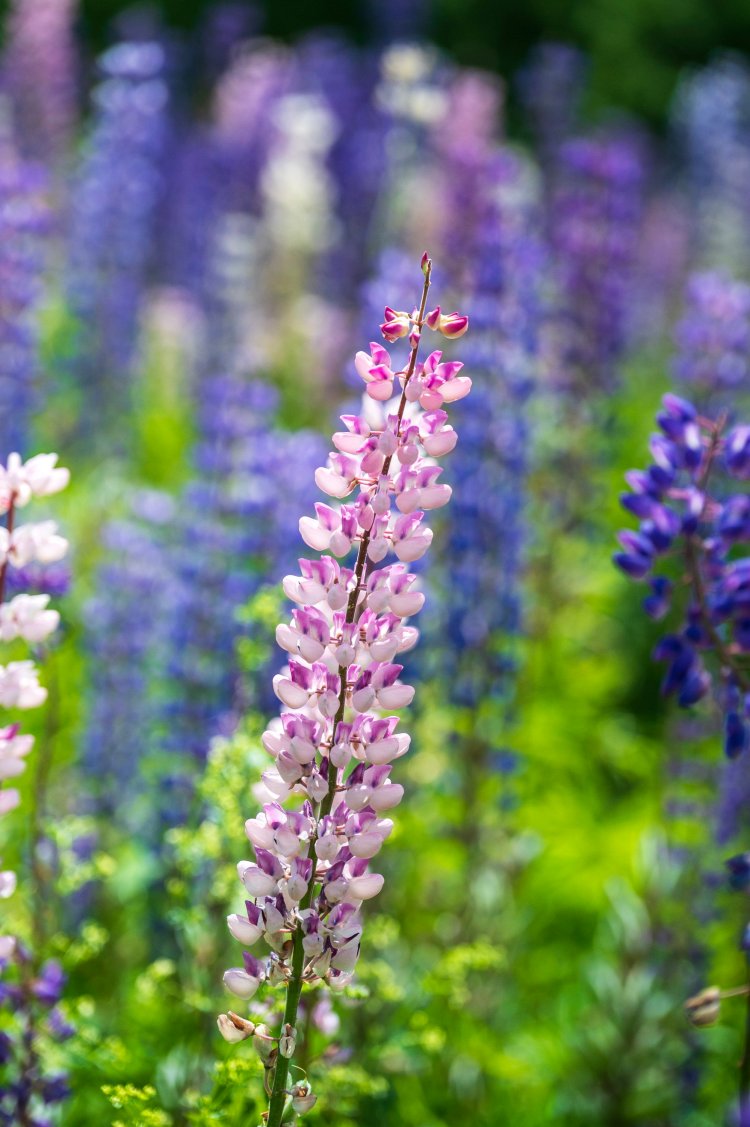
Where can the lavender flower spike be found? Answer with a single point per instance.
(335, 742)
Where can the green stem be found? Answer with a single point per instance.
(294, 985)
(293, 991)
(745, 1073)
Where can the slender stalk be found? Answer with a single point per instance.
(29, 1058)
(693, 549)
(294, 985)
(745, 1073)
(9, 525)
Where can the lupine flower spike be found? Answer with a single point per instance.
(336, 741)
(24, 616)
(27, 992)
(687, 506)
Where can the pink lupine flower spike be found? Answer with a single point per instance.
(335, 743)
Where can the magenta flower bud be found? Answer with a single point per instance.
(453, 325)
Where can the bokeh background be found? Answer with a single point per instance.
(204, 208)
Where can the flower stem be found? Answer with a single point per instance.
(9, 525)
(294, 984)
(745, 1073)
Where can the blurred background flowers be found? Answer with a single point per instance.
(204, 208)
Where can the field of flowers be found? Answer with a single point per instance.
(531, 346)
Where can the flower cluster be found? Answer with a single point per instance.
(217, 564)
(594, 223)
(551, 88)
(42, 74)
(345, 78)
(113, 208)
(35, 1022)
(486, 528)
(687, 507)
(335, 744)
(23, 226)
(713, 336)
(711, 111)
(126, 650)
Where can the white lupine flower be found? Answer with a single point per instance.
(39, 477)
(38, 541)
(232, 1032)
(19, 685)
(14, 747)
(9, 800)
(7, 884)
(27, 616)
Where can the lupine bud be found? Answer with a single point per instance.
(265, 1045)
(703, 1008)
(234, 1028)
(739, 872)
(303, 1098)
(395, 325)
(453, 325)
(288, 1041)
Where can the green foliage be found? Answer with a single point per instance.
(135, 1105)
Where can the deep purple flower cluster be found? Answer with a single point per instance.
(345, 80)
(551, 87)
(40, 70)
(114, 206)
(594, 222)
(29, 997)
(243, 113)
(713, 336)
(687, 509)
(23, 227)
(712, 110)
(486, 525)
(232, 534)
(126, 650)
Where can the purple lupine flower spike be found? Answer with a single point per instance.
(686, 505)
(24, 222)
(113, 213)
(711, 114)
(41, 66)
(713, 337)
(594, 222)
(334, 745)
